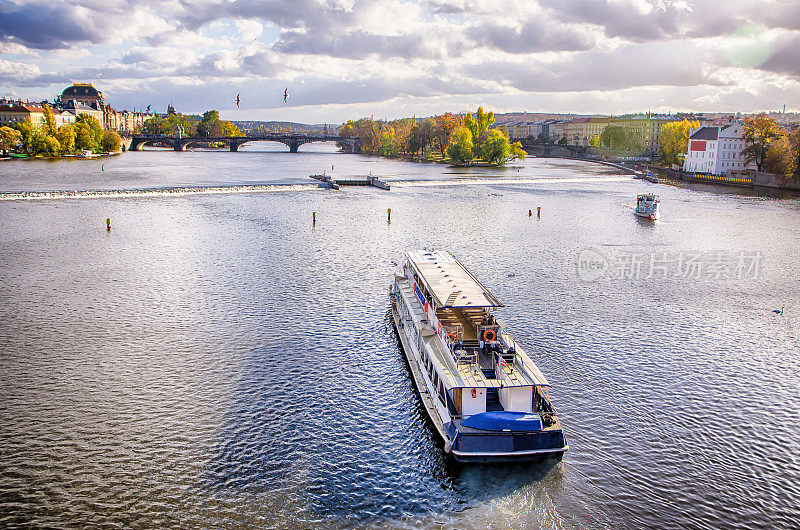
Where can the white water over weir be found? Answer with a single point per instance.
(153, 192)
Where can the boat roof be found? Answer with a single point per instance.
(648, 196)
(450, 283)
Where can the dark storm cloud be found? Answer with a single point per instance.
(535, 35)
(358, 45)
(49, 25)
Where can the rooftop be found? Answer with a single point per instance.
(449, 282)
(705, 133)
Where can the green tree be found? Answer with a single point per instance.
(479, 127)
(51, 146)
(66, 138)
(759, 133)
(111, 142)
(209, 125)
(496, 148)
(673, 143)
(9, 139)
(614, 137)
(153, 125)
(95, 128)
(461, 146)
(517, 152)
(594, 141)
(50, 127)
(32, 137)
(84, 139)
(388, 146)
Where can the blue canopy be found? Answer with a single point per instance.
(504, 420)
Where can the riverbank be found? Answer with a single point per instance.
(23, 156)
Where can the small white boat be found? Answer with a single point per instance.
(86, 154)
(485, 396)
(647, 206)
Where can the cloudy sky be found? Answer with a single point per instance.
(345, 59)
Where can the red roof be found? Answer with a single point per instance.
(20, 108)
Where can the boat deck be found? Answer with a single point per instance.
(461, 375)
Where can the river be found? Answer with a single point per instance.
(216, 361)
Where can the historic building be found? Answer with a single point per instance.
(18, 112)
(717, 150)
(85, 94)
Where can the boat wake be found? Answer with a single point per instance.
(153, 192)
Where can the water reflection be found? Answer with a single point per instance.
(215, 360)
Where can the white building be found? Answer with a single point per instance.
(717, 150)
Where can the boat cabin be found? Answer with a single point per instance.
(473, 359)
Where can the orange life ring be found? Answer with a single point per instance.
(487, 333)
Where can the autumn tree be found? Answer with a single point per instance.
(66, 138)
(443, 130)
(674, 140)
(50, 127)
(495, 148)
(479, 127)
(759, 133)
(9, 139)
(461, 146)
(783, 156)
(111, 142)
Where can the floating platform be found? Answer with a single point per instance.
(326, 181)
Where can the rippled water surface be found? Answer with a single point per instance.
(215, 360)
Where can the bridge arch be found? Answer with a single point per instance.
(292, 140)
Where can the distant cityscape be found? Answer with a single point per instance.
(715, 147)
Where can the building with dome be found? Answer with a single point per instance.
(85, 94)
(85, 98)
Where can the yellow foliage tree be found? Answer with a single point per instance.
(674, 140)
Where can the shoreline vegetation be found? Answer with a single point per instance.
(459, 140)
(50, 141)
(47, 141)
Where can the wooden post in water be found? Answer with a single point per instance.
(313, 218)
(108, 224)
(538, 212)
(388, 215)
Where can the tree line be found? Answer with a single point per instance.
(768, 145)
(454, 138)
(47, 139)
(209, 125)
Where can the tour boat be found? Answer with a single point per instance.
(485, 396)
(647, 206)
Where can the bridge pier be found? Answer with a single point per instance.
(294, 146)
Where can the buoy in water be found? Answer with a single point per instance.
(314, 218)
(388, 215)
(530, 213)
(538, 212)
(108, 224)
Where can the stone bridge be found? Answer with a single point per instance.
(293, 140)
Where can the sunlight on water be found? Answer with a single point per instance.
(215, 360)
